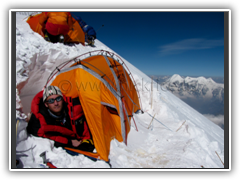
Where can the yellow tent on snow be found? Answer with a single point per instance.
(75, 35)
(101, 82)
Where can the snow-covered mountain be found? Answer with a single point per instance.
(178, 137)
(201, 93)
(195, 87)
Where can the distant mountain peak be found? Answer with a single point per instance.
(200, 86)
(175, 78)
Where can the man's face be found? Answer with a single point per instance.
(55, 107)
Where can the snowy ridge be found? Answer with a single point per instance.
(192, 142)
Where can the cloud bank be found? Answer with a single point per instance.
(190, 44)
(219, 119)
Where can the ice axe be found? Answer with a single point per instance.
(46, 161)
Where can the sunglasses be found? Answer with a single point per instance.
(50, 101)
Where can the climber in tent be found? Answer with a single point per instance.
(51, 112)
(55, 25)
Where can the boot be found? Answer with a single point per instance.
(46, 37)
(61, 38)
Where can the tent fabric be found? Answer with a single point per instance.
(88, 30)
(56, 23)
(74, 35)
(34, 24)
(94, 155)
(107, 95)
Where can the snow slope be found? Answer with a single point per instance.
(179, 137)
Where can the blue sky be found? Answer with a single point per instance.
(164, 43)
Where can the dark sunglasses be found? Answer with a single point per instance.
(50, 101)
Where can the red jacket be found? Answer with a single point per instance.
(42, 124)
(56, 23)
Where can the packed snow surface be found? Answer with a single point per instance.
(178, 137)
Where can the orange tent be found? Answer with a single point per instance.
(101, 82)
(75, 35)
(33, 21)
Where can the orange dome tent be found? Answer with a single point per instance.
(107, 93)
(75, 35)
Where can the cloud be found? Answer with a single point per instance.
(190, 44)
(219, 119)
